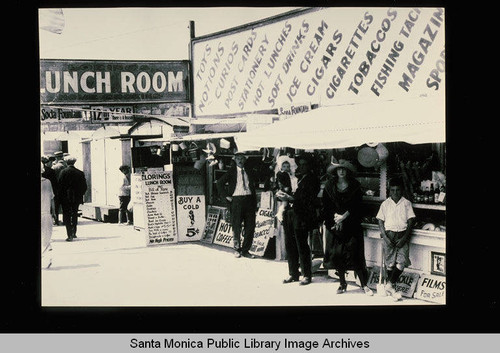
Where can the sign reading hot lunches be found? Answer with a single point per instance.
(91, 81)
(190, 217)
(159, 215)
(322, 56)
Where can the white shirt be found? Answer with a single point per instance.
(240, 190)
(395, 215)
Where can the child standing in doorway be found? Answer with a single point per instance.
(396, 219)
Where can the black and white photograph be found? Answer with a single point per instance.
(242, 156)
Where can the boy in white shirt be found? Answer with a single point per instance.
(396, 219)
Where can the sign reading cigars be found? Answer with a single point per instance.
(99, 81)
(321, 56)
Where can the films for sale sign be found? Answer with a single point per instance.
(190, 217)
(264, 226)
(431, 288)
(406, 284)
(159, 204)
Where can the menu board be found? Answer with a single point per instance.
(159, 207)
(190, 217)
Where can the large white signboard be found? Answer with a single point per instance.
(159, 207)
(321, 56)
(190, 217)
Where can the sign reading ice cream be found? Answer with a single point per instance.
(319, 56)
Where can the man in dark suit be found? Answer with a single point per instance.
(299, 219)
(242, 203)
(72, 187)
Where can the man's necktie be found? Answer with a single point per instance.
(243, 179)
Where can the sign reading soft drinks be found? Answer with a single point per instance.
(321, 56)
(98, 81)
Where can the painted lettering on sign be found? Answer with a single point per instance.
(99, 81)
(321, 56)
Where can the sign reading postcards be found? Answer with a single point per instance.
(190, 217)
(322, 56)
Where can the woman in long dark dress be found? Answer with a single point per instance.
(345, 249)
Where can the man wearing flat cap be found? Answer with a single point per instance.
(237, 187)
(299, 219)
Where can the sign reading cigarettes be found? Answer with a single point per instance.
(159, 207)
(322, 56)
(190, 217)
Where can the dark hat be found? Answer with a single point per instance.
(309, 157)
(341, 164)
(44, 159)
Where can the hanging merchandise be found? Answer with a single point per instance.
(194, 151)
(368, 157)
(382, 153)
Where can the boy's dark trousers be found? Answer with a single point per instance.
(297, 247)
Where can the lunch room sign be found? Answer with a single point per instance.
(86, 81)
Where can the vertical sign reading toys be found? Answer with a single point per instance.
(190, 217)
(159, 215)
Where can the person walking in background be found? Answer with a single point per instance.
(284, 184)
(47, 210)
(72, 187)
(345, 249)
(242, 203)
(299, 219)
(58, 165)
(124, 215)
(396, 219)
(50, 174)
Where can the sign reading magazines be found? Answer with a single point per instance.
(190, 217)
(159, 215)
(99, 81)
(322, 56)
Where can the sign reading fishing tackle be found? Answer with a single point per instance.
(102, 81)
(190, 217)
(159, 207)
(322, 56)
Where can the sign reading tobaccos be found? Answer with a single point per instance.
(83, 81)
(320, 56)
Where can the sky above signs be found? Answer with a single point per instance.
(151, 33)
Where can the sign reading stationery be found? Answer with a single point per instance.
(190, 217)
(159, 215)
(325, 56)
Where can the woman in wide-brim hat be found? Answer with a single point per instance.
(344, 251)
